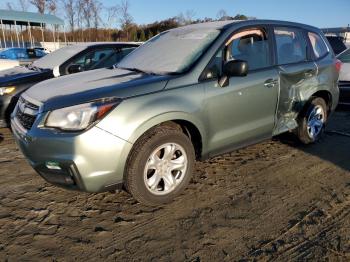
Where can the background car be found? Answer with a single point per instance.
(22, 55)
(337, 44)
(344, 78)
(64, 61)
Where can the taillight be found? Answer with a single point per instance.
(338, 65)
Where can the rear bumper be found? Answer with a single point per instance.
(344, 88)
(92, 161)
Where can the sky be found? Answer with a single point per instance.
(320, 13)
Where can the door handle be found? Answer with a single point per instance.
(270, 83)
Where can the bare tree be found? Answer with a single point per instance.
(23, 5)
(40, 5)
(187, 18)
(79, 10)
(86, 8)
(222, 14)
(125, 17)
(9, 6)
(112, 14)
(51, 6)
(70, 12)
(189, 15)
(96, 8)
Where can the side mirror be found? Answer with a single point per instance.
(233, 68)
(74, 69)
(236, 68)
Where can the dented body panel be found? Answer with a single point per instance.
(297, 84)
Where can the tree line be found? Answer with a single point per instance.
(85, 23)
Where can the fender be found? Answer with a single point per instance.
(134, 116)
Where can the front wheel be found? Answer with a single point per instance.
(160, 165)
(312, 121)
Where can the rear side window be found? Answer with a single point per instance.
(291, 45)
(318, 45)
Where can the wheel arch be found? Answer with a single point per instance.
(190, 126)
(327, 96)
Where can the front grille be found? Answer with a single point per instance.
(26, 121)
(26, 113)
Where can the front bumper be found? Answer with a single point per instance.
(5, 101)
(92, 161)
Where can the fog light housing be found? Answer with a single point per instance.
(52, 165)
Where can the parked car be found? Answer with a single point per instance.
(24, 56)
(7, 64)
(67, 60)
(344, 78)
(188, 93)
(337, 44)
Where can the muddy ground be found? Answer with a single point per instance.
(277, 200)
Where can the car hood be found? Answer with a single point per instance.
(91, 85)
(345, 72)
(18, 74)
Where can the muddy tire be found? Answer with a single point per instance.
(312, 121)
(160, 165)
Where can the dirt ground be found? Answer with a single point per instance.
(277, 200)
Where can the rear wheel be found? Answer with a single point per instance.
(312, 121)
(160, 165)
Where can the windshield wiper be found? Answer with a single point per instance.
(32, 67)
(134, 69)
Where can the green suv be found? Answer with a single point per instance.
(187, 94)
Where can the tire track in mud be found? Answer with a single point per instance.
(312, 229)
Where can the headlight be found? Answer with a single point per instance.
(80, 117)
(7, 90)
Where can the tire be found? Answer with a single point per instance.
(153, 158)
(312, 121)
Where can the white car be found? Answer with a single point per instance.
(7, 64)
(344, 77)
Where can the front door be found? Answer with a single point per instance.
(243, 112)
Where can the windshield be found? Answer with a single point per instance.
(174, 51)
(58, 57)
(345, 56)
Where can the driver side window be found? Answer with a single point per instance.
(89, 60)
(250, 45)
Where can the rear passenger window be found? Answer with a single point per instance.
(318, 45)
(291, 45)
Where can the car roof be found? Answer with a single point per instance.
(82, 46)
(94, 44)
(13, 48)
(222, 25)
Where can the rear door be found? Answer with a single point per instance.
(298, 75)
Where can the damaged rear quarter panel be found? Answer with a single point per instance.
(298, 83)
